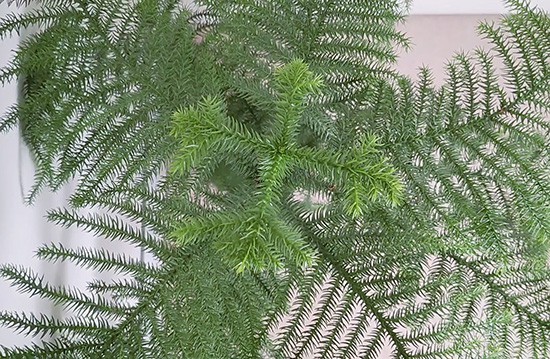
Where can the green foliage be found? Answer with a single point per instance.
(258, 237)
(300, 197)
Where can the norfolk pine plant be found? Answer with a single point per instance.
(300, 198)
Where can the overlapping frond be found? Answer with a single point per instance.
(369, 298)
(347, 43)
(271, 169)
(474, 153)
(101, 81)
(473, 156)
(515, 302)
(189, 303)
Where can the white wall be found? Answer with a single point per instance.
(422, 7)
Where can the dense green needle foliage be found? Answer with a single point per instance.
(300, 197)
(257, 236)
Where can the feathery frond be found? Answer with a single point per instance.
(299, 197)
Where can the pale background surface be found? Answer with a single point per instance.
(423, 7)
(23, 229)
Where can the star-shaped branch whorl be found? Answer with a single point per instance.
(259, 237)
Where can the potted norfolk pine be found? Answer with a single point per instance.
(299, 196)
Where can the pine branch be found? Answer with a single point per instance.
(323, 207)
(256, 238)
